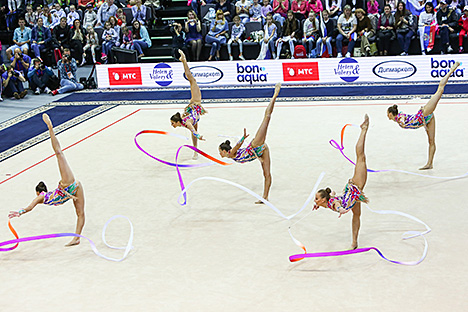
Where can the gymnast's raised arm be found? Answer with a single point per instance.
(234, 150)
(38, 200)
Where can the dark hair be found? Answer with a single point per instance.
(430, 5)
(21, 19)
(176, 117)
(41, 187)
(325, 193)
(393, 109)
(388, 5)
(225, 146)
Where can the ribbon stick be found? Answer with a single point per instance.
(341, 149)
(127, 248)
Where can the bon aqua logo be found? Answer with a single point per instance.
(251, 73)
(440, 68)
(162, 74)
(348, 69)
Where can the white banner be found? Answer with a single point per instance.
(299, 71)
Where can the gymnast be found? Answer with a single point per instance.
(68, 188)
(257, 147)
(353, 192)
(193, 111)
(424, 117)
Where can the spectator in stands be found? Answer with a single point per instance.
(30, 17)
(316, 6)
(455, 5)
(300, 9)
(269, 38)
(127, 39)
(72, 16)
(266, 8)
(77, 40)
(356, 4)
(40, 37)
(90, 17)
(39, 76)
(83, 5)
(385, 30)
(347, 25)
(113, 21)
(13, 83)
(242, 10)
(107, 9)
(426, 19)
(109, 39)
(334, 8)
(141, 39)
(217, 34)
(463, 23)
(237, 31)
(139, 12)
(14, 7)
(57, 14)
(392, 4)
(404, 23)
(225, 6)
(62, 34)
(67, 69)
(194, 35)
(20, 62)
(364, 30)
(178, 40)
(1, 57)
(326, 35)
(47, 18)
(92, 42)
(121, 18)
(280, 10)
(255, 12)
(373, 8)
(310, 34)
(21, 38)
(291, 31)
(447, 21)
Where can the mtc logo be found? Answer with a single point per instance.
(124, 76)
(301, 71)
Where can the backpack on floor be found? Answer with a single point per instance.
(300, 51)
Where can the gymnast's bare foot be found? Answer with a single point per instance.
(259, 202)
(426, 167)
(195, 156)
(75, 241)
(182, 56)
(353, 246)
(47, 120)
(277, 89)
(365, 123)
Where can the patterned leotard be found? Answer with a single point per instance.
(351, 194)
(249, 153)
(60, 195)
(192, 114)
(413, 121)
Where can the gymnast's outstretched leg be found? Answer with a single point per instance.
(265, 160)
(430, 130)
(260, 136)
(194, 89)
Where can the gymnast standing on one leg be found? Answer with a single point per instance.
(353, 191)
(424, 117)
(256, 149)
(68, 188)
(193, 111)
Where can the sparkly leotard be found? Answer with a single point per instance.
(413, 121)
(192, 114)
(249, 153)
(351, 194)
(60, 195)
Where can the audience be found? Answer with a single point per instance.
(347, 25)
(107, 9)
(194, 35)
(426, 19)
(39, 76)
(92, 42)
(310, 33)
(141, 39)
(77, 40)
(404, 22)
(12, 82)
(217, 35)
(40, 37)
(21, 38)
(237, 31)
(269, 38)
(20, 62)
(447, 22)
(385, 30)
(67, 69)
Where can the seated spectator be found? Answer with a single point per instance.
(311, 33)
(225, 6)
(57, 14)
(30, 17)
(62, 34)
(92, 42)
(242, 10)
(194, 36)
(356, 4)
(456, 6)
(334, 8)
(14, 7)
(316, 6)
(178, 40)
(290, 33)
(38, 12)
(21, 38)
(364, 30)
(40, 37)
(404, 23)
(72, 15)
(237, 31)
(447, 22)
(110, 38)
(426, 19)
(385, 30)
(113, 21)
(83, 5)
(462, 22)
(47, 18)
(67, 69)
(217, 34)
(347, 25)
(266, 8)
(20, 62)
(392, 4)
(127, 39)
(255, 12)
(13, 84)
(39, 76)
(1, 57)
(141, 39)
(78, 40)
(373, 8)
(139, 12)
(107, 9)
(300, 8)
(280, 10)
(326, 35)
(121, 18)
(269, 38)
(90, 17)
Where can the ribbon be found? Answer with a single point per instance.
(341, 149)
(93, 246)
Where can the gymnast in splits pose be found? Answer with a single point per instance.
(353, 191)
(68, 188)
(424, 117)
(257, 147)
(189, 119)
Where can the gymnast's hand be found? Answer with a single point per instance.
(245, 133)
(316, 207)
(13, 214)
(342, 211)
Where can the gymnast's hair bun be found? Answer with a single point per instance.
(395, 106)
(328, 190)
(41, 187)
(227, 142)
